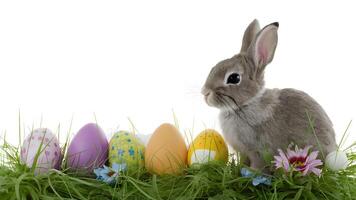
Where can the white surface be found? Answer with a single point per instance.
(143, 59)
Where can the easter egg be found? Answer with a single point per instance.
(88, 149)
(166, 151)
(44, 145)
(207, 146)
(127, 150)
(336, 160)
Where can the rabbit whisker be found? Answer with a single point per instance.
(232, 99)
(226, 103)
(238, 111)
(223, 101)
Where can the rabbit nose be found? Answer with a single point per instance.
(205, 91)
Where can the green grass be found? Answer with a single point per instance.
(210, 181)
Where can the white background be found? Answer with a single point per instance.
(143, 59)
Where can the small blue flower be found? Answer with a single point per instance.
(256, 179)
(261, 180)
(246, 173)
(105, 174)
(109, 175)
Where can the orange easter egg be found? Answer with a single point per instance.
(166, 151)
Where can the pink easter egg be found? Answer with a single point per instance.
(44, 143)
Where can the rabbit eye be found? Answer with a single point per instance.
(233, 78)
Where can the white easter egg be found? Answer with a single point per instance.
(336, 160)
(49, 156)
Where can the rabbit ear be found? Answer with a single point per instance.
(249, 35)
(264, 46)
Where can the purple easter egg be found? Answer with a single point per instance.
(88, 149)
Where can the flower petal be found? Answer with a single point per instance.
(306, 170)
(291, 153)
(286, 165)
(306, 150)
(316, 171)
(110, 180)
(315, 163)
(256, 181)
(268, 181)
(312, 156)
(278, 161)
(97, 171)
(106, 169)
(282, 155)
(278, 158)
(261, 180)
(246, 172)
(285, 161)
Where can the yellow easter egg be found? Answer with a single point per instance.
(166, 151)
(126, 149)
(207, 146)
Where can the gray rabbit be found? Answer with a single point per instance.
(254, 119)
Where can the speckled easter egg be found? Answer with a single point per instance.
(44, 143)
(207, 146)
(88, 149)
(166, 151)
(125, 148)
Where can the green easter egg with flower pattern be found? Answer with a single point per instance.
(125, 148)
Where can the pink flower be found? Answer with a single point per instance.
(299, 160)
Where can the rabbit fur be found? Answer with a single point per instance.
(255, 120)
